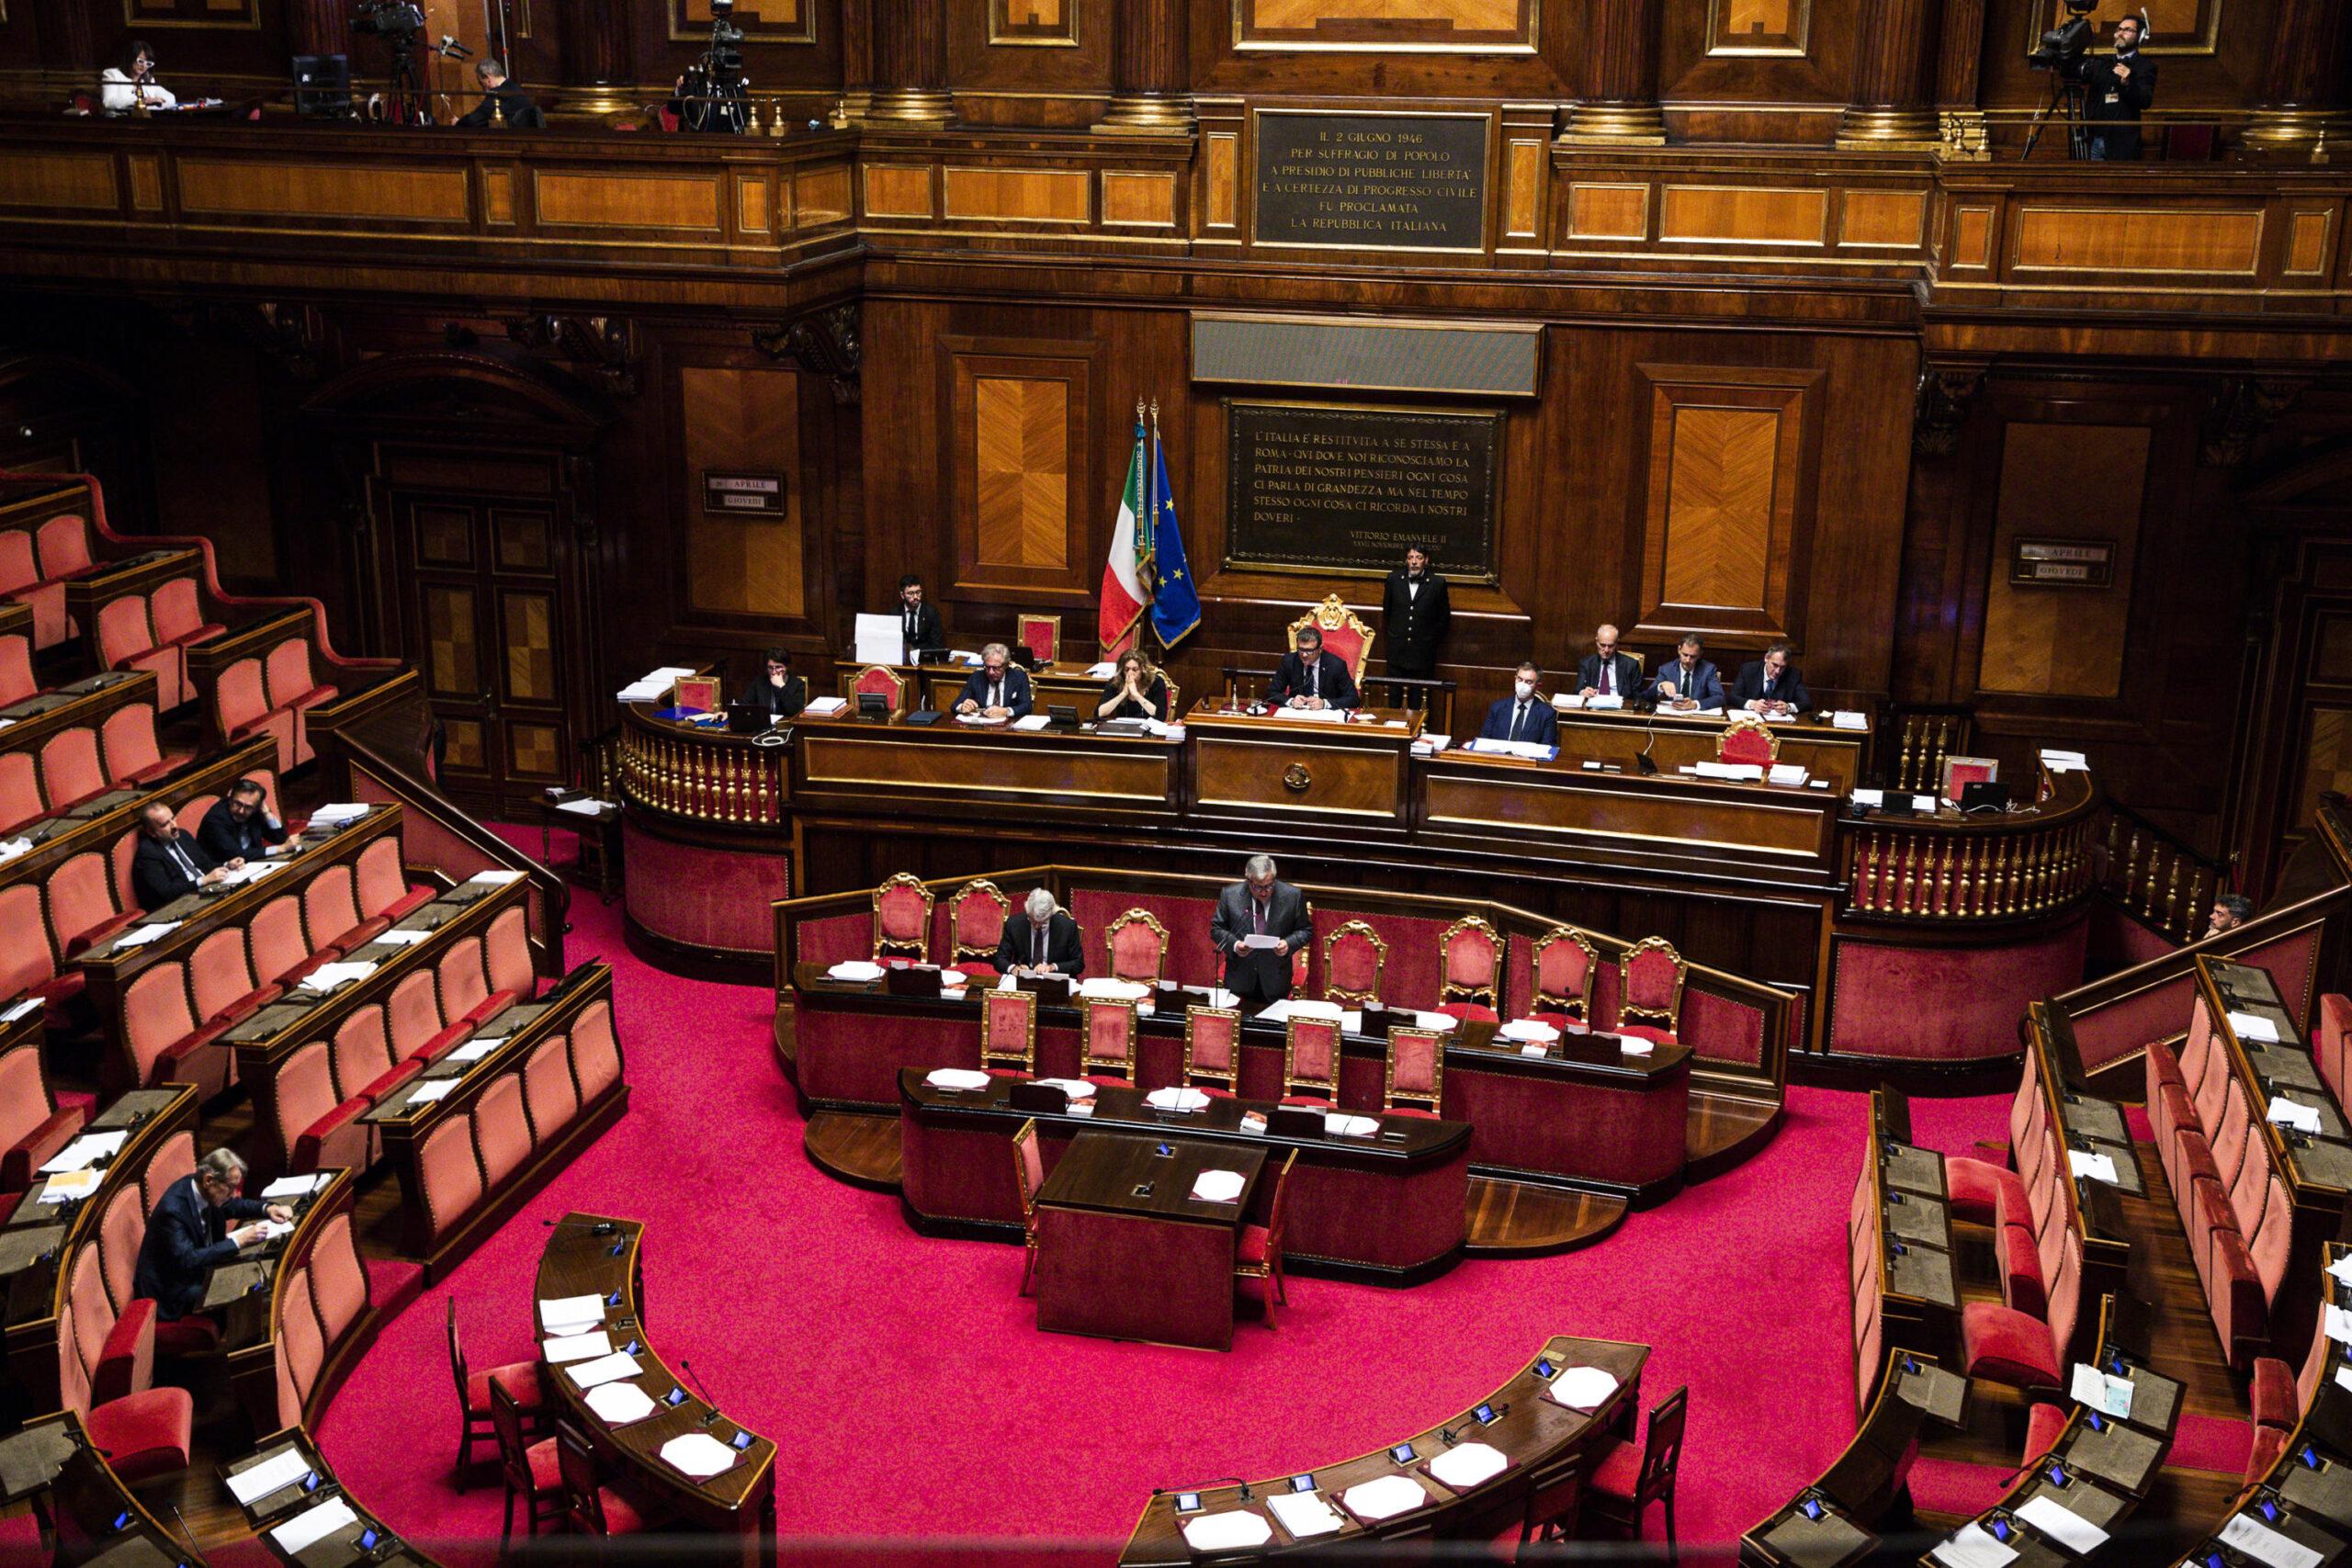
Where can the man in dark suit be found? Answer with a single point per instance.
(998, 689)
(169, 863)
(2116, 88)
(1260, 907)
(1040, 938)
(1526, 715)
(1415, 611)
(502, 102)
(1606, 672)
(241, 825)
(1310, 677)
(187, 1235)
(1687, 680)
(1770, 685)
(779, 692)
(919, 624)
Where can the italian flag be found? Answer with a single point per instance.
(1123, 591)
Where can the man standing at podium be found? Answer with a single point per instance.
(1606, 672)
(1259, 922)
(919, 624)
(1311, 678)
(1416, 613)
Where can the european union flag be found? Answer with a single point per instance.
(1176, 606)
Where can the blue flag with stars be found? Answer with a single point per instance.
(1175, 605)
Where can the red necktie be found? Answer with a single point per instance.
(1607, 668)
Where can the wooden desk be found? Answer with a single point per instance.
(843, 763)
(243, 1294)
(52, 1464)
(77, 705)
(1389, 1209)
(366, 1540)
(740, 1501)
(938, 685)
(1675, 739)
(1124, 1251)
(1545, 1441)
(1302, 768)
(1860, 1487)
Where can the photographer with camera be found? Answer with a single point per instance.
(502, 102)
(2117, 87)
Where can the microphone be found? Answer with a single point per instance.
(594, 1227)
(1243, 1496)
(450, 49)
(185, 1530)
(711, 1415)
(1642, 763)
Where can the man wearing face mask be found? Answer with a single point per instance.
(1526, 715)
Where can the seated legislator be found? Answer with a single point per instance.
(502, 102)
(779, 692)
(169, 863)
(125, 87)
(1259, 923)
(919, 626)
(241, 825)
(1770, 685)
(1136, 691)
(1040, 938)
(1606, 672)
(1687, 680)
(2230, 912)
(1526, 715)
(998, 689)
(1311, 678)
(187, 1235)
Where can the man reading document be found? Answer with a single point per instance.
(1259, 922)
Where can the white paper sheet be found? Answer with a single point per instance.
(494, 878)
(1034, 722)
(2059, 759)
(327, 976)
(295, 1185)
(570, 1314)
(1313, 716)
(72, 1185)
(2338, 1323)
(826, 707)
(1430, 745)
(2342, 1268)
(2098, 1168)
(1599, 704)
(1441, 1023)
(85, 1151)
(1468, 1465)
(2254, 1027)
(1632, 1045)
(698, 1454)
(604, 1369)
(475, 1050)
(1751, 771)
(427, 1093)
(336, 811)
(140, 936)
(1176, 1099)
(2061, 1525)
(618, 1404)
(1112, 990)
(272, 1473)
(1305, 1515)
(1845, 718)
(572, 1347)
(1257, 942)
(879, 639)
(1870, 797)
(1788, 773)
(2098, 1390)
(1340, 1124)
(399, 937)
(1529, 749)
(585, 806)
(313, 1525)
(2247, 1534)
(1972, 1546)
(1385, 1496)
(17, 1012)
(1581, 1388)
(2292, 1113)
(1232, 1532)
(963, 1079)
(1077, 1089)
(1102, 672)
(10, 849)
(1218, 1186)
(1529, 1029)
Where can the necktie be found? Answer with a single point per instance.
(1608, 670)
(179, 856)
(1315, 677)
(1036, 944)
(1257, 916)
(996, 694)
(1519, 718)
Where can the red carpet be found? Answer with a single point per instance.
(937, 1409)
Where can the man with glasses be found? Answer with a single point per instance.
(779, 692)
(187, 1235)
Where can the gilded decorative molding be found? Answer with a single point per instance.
(825, 343)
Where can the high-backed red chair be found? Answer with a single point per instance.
(27, 961)
(20, 800)
(1213, 1049)
(874, 680)
(330, 912)
(1416, 1072)
(592, 1507)
(127, 641)
(1748, 739)
(595, 1052)
(33, 1126)
(1355, 957)
(532, 1471)
(976, 916)
(1649, 993)
(339, 1285)
(241, 710)
(1109, 1029)
(1564, 959)
(21, 581)
(294, 691)
(2332, 1044)
(175, 1159)
(106, 1366)
(2021, 1348)
(1028, 1175)
(1470, 966)
(1009, 1033)
(1628, 1479)
(361, 1052)
(131, 752)
(521, 1379)
(1041, 635)
(70, 771)
(1138, 944)
(902, 918)
(63, 547)
(413, 1017)
(84, 907)
(380, 882)
(1310, 1061)
(176, 611)
(507, 957)
(316, 1127)
(450, 1174)
(549, 1097)
(1344, 634)
(17, 679)
(163, 1039)
(1258, 1251)
(502, 1129)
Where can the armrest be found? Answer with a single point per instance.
(127, 1360)
(36, 1146)
(316, 1139)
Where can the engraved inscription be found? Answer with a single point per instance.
(1348, 488)
(1399, 182)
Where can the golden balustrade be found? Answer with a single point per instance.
(2163, 882)
(1950, 868)
(701, 774)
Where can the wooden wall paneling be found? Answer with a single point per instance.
(1326, 45)
(1484, 26)
(1020, 460)
(1773, 71)
(1041, 62)
(2210, 55)
(737, 564)
(2063, 481)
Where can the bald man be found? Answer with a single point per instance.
(1606, 672)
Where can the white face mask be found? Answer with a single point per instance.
(1525, 688)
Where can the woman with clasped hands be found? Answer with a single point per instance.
(1134, 691)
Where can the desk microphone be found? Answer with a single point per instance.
(711, 1415)
(1243, 1496)
(185, 1530)
(594, 1227)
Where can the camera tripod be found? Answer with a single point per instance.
(403, 100)
(2064, 106)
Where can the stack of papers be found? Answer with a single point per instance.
(1747, 771)
(327, 976)
(618, 1404)
(2064, 761)
(1314, 715)
(252, 871)
(2097, 1168)
(1177, 1099)
(1384, 1497)
(1102, 672)
(295, 1185)
(85, 1151)
(2107, 1394)
(2338, 1324)
(603, 1370)
(1511, 749)
(1305, 1515)
(577, 1347)
(1218, 1186)
(1430, 745)
(1234, 1532)
(980, 718)
(1845, 718)
(1972, 1546)
(2247, 1534)
(962, 1079)
(1114, 990)
(249, 1486)
(142, 935)
(2061, 1524)
(494, 878)
(1468, 1465)
(826, 707)
(859, 970)
(313, 1525)
(1790, 774)
(2294, 1114)
(655, 685)
(697, 1454)
(571, 1314)
(336, 813)
(2254, 1027)
(72, 1186)
(1526, 1029)
(1582, 1388)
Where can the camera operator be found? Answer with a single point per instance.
(2117, 88)
(502, 102)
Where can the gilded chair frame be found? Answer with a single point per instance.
(897, 687)
(1491, 994)
(1748, 721)
(1023, 1141)
(1578, 1007)
(1335, 992)
(991, 1052)
(1436, 1096)
(1111, 944)
(980, 886)
(1671, 1016)
(1089, 1064)
(1023, 621)
(1331, 615)
(1291, 1080)
(1231, 1081)
(885, 946)
(1271, 1270)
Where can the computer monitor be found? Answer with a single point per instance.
(322, 86)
